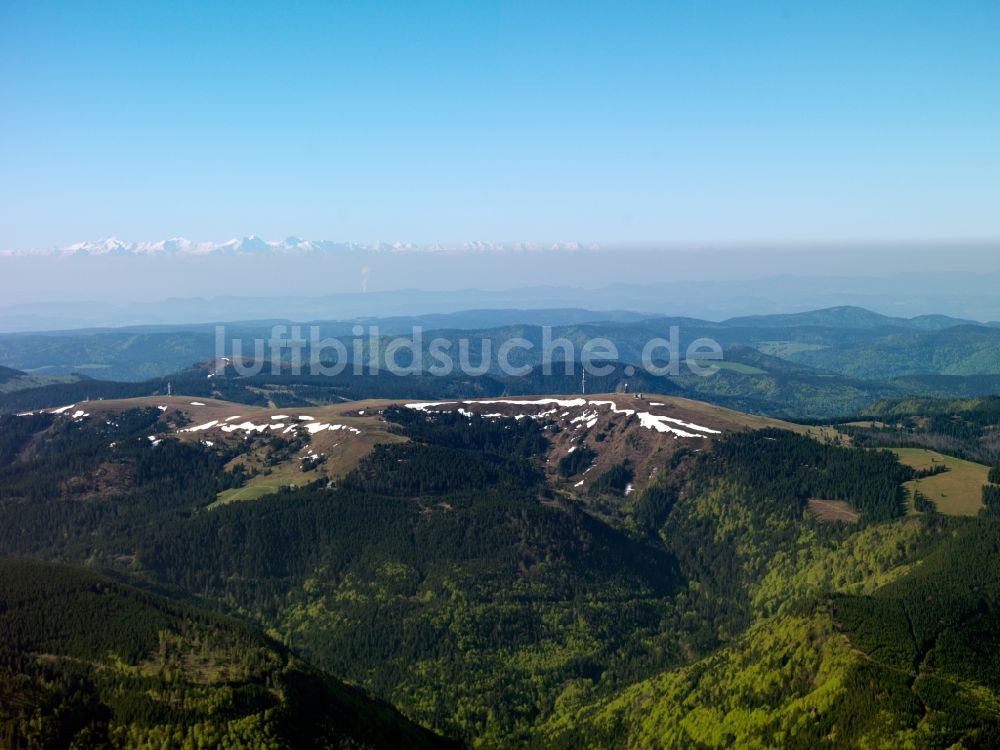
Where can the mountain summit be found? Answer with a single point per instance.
(291, 245)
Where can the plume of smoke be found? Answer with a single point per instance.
(365, 272)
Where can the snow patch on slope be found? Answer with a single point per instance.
(589, 418)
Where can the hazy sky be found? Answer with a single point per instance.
(666, 121)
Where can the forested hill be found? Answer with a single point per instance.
(461, 575)
(89, 662)
(7, 373)
(568, 572)
(911, 663)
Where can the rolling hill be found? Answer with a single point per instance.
(271, 448)
(848, 317)
(820, 364)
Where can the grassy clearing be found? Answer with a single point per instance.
(956, 492)
(247, 492)
(832, 510)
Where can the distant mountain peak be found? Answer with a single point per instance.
(852, 316)
(253, 244)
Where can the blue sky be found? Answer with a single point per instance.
(667, 122)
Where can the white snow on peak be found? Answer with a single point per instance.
(246, 427)
(425, 406)
(658, 423)
(314, 427)
(290, 246)
(201, 427)
(648, 420)
(614, 407)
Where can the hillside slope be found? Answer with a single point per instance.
(910, 663)
(120, 667)
(506, 570)
(470, 572)
(270, 448)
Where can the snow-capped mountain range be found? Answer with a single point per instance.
(253, 245)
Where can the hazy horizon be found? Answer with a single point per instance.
(112, 290)
(659, 144)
